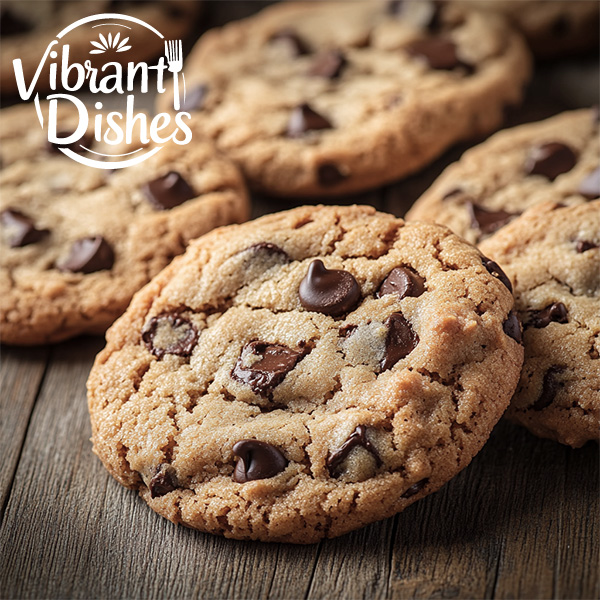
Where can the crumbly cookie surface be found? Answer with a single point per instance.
(77, 242)
(552, 255)
(312, 100)
(305, 374)
(557, 160)
(28, 28)
(552, 29)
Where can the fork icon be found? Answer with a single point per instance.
(174, 55)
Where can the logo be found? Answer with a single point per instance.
(104, 76)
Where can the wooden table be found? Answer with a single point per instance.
(522, 521)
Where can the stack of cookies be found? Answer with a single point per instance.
(307, 373)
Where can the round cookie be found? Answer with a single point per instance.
(552, 29)
(77, 242)
(492, 184)
(312, 100)
(552, 254)
(28, 28)
(305, 374)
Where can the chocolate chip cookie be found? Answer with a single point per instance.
(305, 374)
(28, 27)
(552, 254)
(552, 29)
(77, 242)
(492, 184)
(314, 100)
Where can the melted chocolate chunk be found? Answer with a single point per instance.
(415, 488)
(403, 282)
(590, 187)
(512, 328)
(424, 14)
(289, 37)
(303, 119)
(550, 387)
(269, 248)
(555, 312)
(584, 246)
(329, 174)
(163, 482)
(194, 99)
(494, 269)
(488, 221)
(21, 229)
(328, 64)
(439, 53)
(550, 160)
(257, 460)
(88, 255)
(86, 140)
(400, 341)
(357, 438)
(560, 27)
(170, 333)
(168, 191)
(328, 291)
(274, 362)
(12, 24)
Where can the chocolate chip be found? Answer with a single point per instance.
(21, 230)
(303, 119)
(550, 160)
(274, 362)
(424, 14)
(488, 221)
(512, 328)
(170, 333)
(12, 24)
(439, 53)
(584, 246)
(493, 268)
(555, 312)
(560, 27)
(329, 64)
(400, 340)
(163, 482)
(415, 488)
(328, 291)
(194, 99)
(88, 255)
(590, 186)
(329, 174)
(357, 438)
(257, 460)
(86, 140)
(403, 282)
(550, 387)
(289, 37)
(168, 191)
(268, 248)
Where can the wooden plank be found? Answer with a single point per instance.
(21, 372)
(551, 544)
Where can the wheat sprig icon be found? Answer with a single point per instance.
(111, 43)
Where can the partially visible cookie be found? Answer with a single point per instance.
(304, 374)
(314, 100)
(28, 27)
(552, 255)
(492, 184)
(77, 242)
(552, 29)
